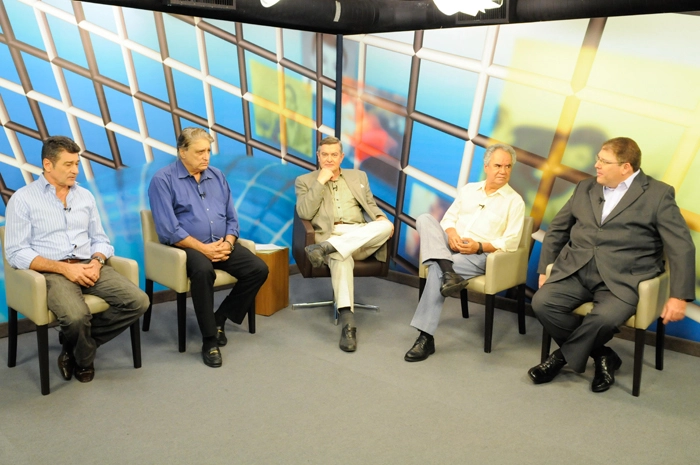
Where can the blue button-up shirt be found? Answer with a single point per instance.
(37, 224)
(183, 207)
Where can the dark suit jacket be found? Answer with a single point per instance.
(315, 203)
(629, 246)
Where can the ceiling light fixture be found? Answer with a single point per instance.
(470, 7)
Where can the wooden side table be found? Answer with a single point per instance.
(273, 296)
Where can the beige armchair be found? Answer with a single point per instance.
(653, 294)
(25, 291)
(504, 270)
(167, 265)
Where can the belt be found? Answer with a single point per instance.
(341, 222)
(73, 260)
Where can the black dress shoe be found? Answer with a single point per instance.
(66, 364)
(547, 370)
(348, 339)
(212, 357)
(85, 375)
(221, 339)
(422, 348)
(452, 284)
(605, 367)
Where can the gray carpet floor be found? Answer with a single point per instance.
(288, 395)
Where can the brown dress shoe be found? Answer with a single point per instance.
(66, 364)
(85, 375)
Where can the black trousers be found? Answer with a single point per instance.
(554, 303)
(251, 273)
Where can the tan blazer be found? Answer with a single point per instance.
(315, 203)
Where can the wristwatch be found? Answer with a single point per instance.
(99, 259)
(481, 248)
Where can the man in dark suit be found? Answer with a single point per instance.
(611, 235)
(339, 204)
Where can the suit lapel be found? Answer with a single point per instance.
(596, 194)
(637, 188)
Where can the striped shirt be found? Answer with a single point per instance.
(37, 224)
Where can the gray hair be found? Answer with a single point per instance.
(189, 135)
(494, 147)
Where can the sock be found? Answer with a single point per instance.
(219, 318)
(558, 355)
(429, 336)
(327, 247)
(346, 317)
(600, 351)
(209, 343)
(445, 265)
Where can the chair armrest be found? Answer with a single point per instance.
(303, 234)
(26, 293)
(248, 244)
(653, 295)
(505, 270)
(126, 267)
(166, 265)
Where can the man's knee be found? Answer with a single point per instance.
(539, 302)
(73, 321)
(142, 302)
(424, 220)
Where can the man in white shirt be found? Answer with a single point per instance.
(485, 217)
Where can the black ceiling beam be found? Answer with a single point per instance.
(371, 16)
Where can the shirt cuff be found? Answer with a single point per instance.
(105, 249)
(23, 259)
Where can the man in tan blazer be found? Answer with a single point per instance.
(349, 226)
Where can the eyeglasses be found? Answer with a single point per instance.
(334, 155)
(607, 162)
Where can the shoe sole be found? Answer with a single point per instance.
(453, 290)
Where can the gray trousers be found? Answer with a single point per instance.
(85, 332)
(577, 336)
(434, 246)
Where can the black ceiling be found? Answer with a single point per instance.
(370, 16)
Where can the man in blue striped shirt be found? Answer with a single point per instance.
(193, 210)
(53, 227)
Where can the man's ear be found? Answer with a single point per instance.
(46, 163)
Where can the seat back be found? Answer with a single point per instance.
(303, 234)
(148, 226)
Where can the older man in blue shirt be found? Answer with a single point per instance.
(53, 227)
(193, 210)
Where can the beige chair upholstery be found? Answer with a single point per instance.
(504, 270)
(25, 291)
(166, 265)
(653, 294)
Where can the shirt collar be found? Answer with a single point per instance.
(627, 182)
(46, 185)
(503, 190)
(183, 173)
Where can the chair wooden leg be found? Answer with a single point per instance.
(488, 332)
(521, 308)
(639, 335)
(181, 320)
(11, 337)
(251, 319)
(546, 345)
(464, 300)
(421, 287)
(42, 340)
(136, 343)
(147, 315)
(660, 343)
